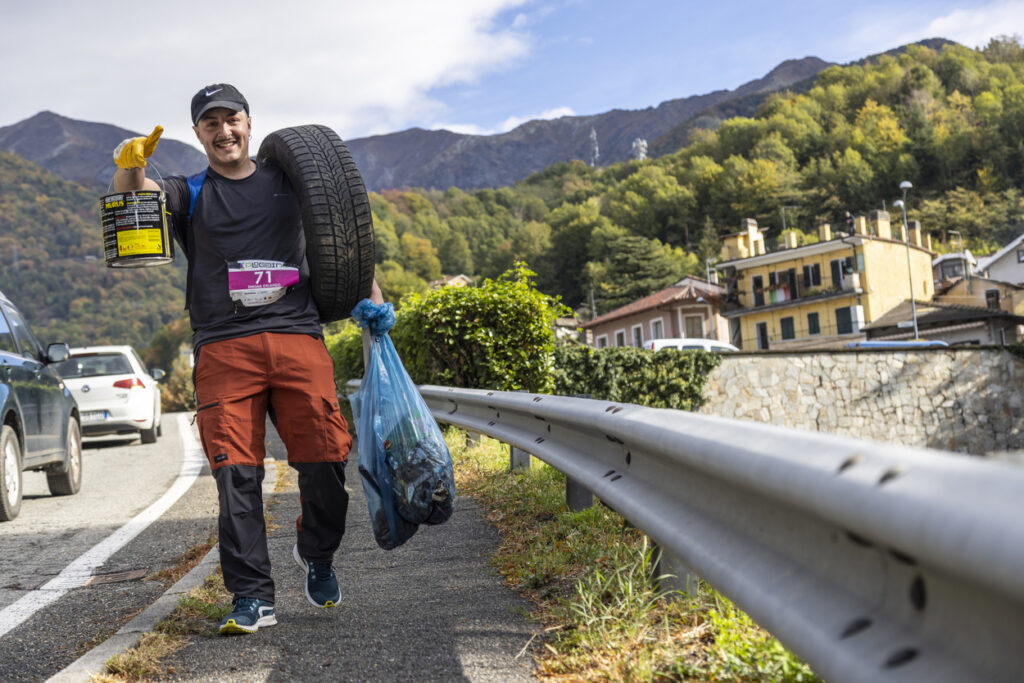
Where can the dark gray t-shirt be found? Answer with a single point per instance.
(253, 218)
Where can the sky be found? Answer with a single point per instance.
(471, 66)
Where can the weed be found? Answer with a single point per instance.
(590, 577)
(142, 662)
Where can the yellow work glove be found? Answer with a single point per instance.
(133, 152)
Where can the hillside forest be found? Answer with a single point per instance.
(949, 121)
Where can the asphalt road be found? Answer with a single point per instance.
(430, 610)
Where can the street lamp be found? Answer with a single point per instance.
(902, 203)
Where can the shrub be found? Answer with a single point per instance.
(498, 335)
(663, 379)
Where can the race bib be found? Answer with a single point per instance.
(258, 283)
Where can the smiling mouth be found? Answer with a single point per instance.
(224, 144)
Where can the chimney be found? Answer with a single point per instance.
(860, 225)
(754, 239)
(880, 223)
(928, 242)
(790, 239)
(824, 232)
(914, 228)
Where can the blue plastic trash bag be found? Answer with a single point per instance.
(404, 462)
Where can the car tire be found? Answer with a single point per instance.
(67, 480)
(148, 435)
(10, 474)
(336, 216)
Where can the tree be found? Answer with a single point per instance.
(637, 266)
(420, 257)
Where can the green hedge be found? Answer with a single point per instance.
(658, 379)
(500, 336)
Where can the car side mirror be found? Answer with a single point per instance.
(157, 374)
(57, 352)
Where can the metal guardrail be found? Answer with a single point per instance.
(872, 562)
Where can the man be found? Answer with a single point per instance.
(253, 353)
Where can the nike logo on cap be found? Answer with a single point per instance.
(213, 92)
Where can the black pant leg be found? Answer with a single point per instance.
(324, 507)
(243, 533)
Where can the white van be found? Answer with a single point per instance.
(690, 344)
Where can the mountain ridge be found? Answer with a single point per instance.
(80, 151)
(442, 158)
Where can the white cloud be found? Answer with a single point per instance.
(972, 27)
(359, 67)
(508, 124)
(975, 27)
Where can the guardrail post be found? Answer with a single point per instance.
(672, 574)
(577, 496)
(518, 459)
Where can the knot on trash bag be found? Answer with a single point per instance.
(377, 318)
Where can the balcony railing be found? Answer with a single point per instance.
(777, 294)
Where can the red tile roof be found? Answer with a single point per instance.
(684, 290)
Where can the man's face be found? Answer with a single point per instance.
(224, 135)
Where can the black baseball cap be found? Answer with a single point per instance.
(217, 95)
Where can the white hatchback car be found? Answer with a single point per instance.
(690, 344)
(114, 391)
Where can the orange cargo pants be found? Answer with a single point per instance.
(237, 381)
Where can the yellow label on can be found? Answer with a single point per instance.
(142, 241)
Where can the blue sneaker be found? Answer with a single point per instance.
(321, 583)
(248, 615)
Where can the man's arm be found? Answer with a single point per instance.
(376, 296)
(128, 179)
(130, 157)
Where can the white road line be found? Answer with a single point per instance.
(79, 571)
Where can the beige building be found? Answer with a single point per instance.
(820, 295)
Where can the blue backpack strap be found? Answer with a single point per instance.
(195, 184)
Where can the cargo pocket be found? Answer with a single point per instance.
(227, 435)
(337, 441)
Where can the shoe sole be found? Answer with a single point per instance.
(232, 627)
(305, 570)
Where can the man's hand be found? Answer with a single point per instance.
(133, 152)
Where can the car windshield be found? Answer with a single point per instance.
(94, 365)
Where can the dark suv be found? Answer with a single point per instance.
(40, 424)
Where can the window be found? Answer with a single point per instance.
(602, 341)
(762, 336)
(30, 348)
(844, 321)
(992, 298)
(840, 268)
(620, 338)
(812, 275)
(638, 335)
(694, 326)
(6, 338)
(757, 282)
(657, 331)
(813, 326)
(787, 328)
(1020, 256)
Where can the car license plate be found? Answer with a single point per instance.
(94, 416)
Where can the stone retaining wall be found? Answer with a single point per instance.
(969, 400)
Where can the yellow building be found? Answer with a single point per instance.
(820, 295)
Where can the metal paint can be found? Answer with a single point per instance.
(135, 230)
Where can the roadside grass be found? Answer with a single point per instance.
(198, 612)
(590, 577)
